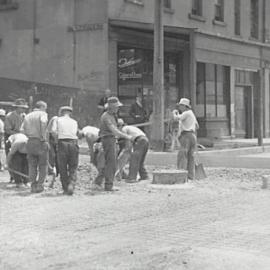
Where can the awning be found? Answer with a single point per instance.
(176, 30)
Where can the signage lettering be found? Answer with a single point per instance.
(132, 75)
(85, 27)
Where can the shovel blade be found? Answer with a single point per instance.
(200, 172)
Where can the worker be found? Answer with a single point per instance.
(108, 133)
(188, 140)
(14, 119)
(17, 159)
(138, 155)
(2, 132)
(91, 135)
(34, 127)
(65, 129)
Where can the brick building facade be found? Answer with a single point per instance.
(71, 50)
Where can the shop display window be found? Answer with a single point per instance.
(212, 91)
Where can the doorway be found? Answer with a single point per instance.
(244, 108)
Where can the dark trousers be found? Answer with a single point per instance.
(19, 163)
(53, 155)
(7, 143)
(185, 157)
(68, 159)
(136, 164)
(37, 154)
(109, 148)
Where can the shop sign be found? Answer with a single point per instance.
(124, 62)
(131, 75)
(85, 27)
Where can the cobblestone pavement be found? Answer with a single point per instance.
(218, 223)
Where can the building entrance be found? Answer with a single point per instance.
(244, 108)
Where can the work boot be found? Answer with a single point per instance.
(36, 188)
(111, 189)
(97, 187)
(131, 181)
(70, 189)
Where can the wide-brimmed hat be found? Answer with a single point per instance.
(185, 102)
(2, 112)
(114, 101)
(66, 108)
(20, 103)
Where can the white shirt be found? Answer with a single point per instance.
(65, 128)
(133, 131)
(1, 126)
(18, 143)
(90, 132)
(188, 121)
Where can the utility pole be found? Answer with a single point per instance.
(262, 83)
(158, 79)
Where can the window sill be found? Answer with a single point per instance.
(254, 39)
(9, 6)
(198, 18)
(169, 10)
(219, 23)
(135, 2)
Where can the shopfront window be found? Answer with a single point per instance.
(212, 90)
(135, 77)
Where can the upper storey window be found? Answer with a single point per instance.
(254, 19)
(196, 7)
(219, 10)
(167, 4)
(237, 17)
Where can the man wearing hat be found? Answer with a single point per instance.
(108, 134)
(14, 119)
(34, 127)
(65, 129)
(188, 125)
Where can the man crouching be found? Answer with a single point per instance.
(17, 159)
(138, 155)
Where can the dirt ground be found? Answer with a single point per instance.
(221, 222)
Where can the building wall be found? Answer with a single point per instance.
(55, 59)
(179, 15)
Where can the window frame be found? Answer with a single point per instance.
(196, 8)
(237, 17)
(219, 5)
(167, 4)
(254, 19)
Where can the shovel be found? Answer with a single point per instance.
(199, 169)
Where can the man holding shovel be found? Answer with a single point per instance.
(188, 125)
(17, 159)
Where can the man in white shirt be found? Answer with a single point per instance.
(65, 129)
(137, 157)
(91, 135)
(34, 127)
(2, 131)
(17, 158)
(188, 125)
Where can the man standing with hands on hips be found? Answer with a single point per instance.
(108, 133)
(188, 125)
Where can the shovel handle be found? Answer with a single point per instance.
(18, 173)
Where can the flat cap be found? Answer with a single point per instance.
(66, 108)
